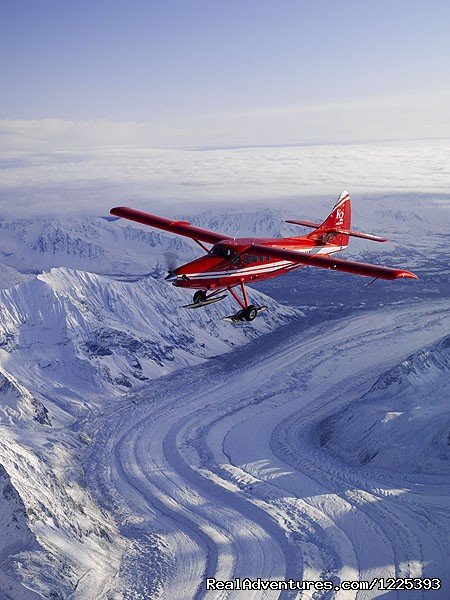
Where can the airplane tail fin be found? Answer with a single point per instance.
(334, 228)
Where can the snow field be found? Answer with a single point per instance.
(226, 454)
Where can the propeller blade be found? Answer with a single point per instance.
(170, 259)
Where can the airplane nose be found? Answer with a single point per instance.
(171, 276)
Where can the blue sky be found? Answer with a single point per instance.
(99, 96)
(175, 73)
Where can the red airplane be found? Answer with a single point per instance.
(232, 262)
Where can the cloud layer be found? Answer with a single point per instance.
(405, 117)
(90, 182)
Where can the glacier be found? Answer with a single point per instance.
(408, 404)
(145, 447)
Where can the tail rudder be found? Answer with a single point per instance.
(339, 219)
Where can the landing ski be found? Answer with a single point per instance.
(205, 302)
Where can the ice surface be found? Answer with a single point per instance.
(145, 447)
(403, 422)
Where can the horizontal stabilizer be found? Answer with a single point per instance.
(359, 234)
(305, 223)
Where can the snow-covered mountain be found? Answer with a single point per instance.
(73, 341)
(69, 336)
(52, 532)
(88, 331)
(69, 327)
(403, 422)
(95, 245)
(17, 403)
(113, 246)
(15, 541)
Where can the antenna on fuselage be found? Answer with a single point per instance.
(237, 235)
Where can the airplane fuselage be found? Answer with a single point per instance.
(228, 263)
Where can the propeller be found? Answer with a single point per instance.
(170, 260)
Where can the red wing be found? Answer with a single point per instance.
(329, 262)
(171, 225)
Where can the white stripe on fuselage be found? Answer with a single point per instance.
(260, 269)
(240, 272)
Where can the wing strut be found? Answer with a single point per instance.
(201, 245)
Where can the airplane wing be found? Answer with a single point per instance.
(329, 262)
(171, 225)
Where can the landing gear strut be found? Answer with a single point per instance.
(248, 312)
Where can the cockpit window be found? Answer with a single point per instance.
(223, 251)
